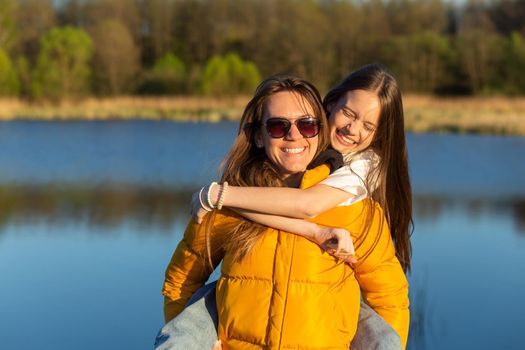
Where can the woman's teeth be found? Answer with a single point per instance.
(294, 150)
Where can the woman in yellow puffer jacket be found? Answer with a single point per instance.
(279, 290)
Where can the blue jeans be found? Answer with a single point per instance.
(195, 328)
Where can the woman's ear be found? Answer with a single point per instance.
(250, 130)
(258, 139)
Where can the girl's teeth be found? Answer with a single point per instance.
(347, 140)
(294, 150)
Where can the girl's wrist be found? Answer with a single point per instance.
(203, 199)
(222, 194)
(216, 194)
(314, 232)
(209, 199)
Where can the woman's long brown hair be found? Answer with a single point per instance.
(394, 192)
(248, 165)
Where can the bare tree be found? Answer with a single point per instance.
(33, 19)
(508, 16)
(7, 24)
(157, 28)
(116, 58)
(125, 11)
(479, 46)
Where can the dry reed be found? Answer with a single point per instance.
(491, 115)
(175, 108)
(487, 115)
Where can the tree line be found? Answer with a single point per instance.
(76, 48)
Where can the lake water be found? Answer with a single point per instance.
(90, 213)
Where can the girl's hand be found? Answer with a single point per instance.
(337, 242)
(217, 345)
(196, 210)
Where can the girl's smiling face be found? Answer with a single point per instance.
(354, 120)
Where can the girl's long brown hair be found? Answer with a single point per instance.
(394, 193)
(248, 165)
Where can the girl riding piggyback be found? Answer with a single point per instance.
(366, 124)
(368, 166)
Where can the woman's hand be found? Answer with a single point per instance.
(217, 345)
(337, 242)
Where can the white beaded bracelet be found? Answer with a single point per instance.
(221, 196)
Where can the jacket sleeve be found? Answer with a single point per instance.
(190, 266)
(383, 283)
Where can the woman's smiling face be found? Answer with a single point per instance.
(354, 120)
(293, 152)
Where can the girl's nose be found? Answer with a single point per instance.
(352, 128)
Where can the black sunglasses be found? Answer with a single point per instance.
(280, 127)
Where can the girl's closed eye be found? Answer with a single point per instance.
(350, 114)
(370, 127)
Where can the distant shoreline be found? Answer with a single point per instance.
(423, 114)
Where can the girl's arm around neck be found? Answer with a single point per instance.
(283, 201)
(336, 241)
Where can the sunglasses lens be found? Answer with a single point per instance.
(308, 127)
(277, 128)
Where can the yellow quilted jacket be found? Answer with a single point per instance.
(288, 293)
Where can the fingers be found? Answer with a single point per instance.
(341, 246)
(332, 244)
(348, 256)
(217, 345)
(346, 249)
(338, 243)
(346, 245)
(197, 209)
(200, 215)
(195, 205)
(351, 260)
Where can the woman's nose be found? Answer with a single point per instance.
(293, 133)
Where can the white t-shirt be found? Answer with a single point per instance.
(351, 177)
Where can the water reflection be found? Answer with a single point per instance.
(452, 236)
(98, 207)
(518, 211)
(430, 208)
(113, 205)
(419, 315)
(102, 206)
